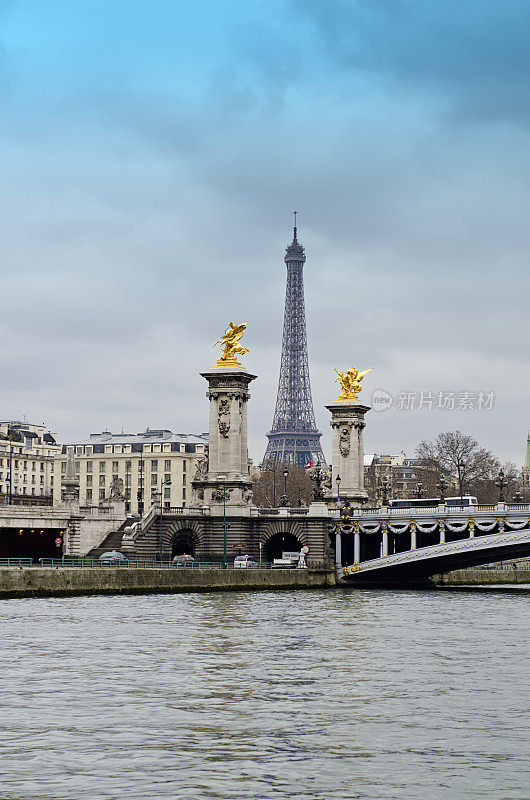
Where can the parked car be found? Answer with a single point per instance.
(112, 558)
(183, 561)
(245, 562)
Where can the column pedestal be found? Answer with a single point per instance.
(347, 451)
(227, 482)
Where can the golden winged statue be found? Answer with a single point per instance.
(350, 383)
(230, 346)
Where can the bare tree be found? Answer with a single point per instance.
(270, 487)
(467, 467)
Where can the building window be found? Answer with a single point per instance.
(34, 466)
(102, 466)
(141, 464)
(128, 465)
(25, 464)
(33, 490)
(88, 494)
(42, 466)
(102, 494)
(79, 451)
(154, 479)
(184, 494)
(77, 467)
(167, 478)
(184, 480)
(102, 480)
(167, 465)
(115, 466)
(154, 464)
(89, 480)
(89, 466)
(167, 493)
(42, 479)
(33, 478)
(184, 465)
(89, 450)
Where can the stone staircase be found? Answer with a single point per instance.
(111, 542)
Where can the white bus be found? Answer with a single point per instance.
(432, 502)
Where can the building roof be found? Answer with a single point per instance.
(147, 437)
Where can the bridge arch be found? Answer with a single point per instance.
(183, 538)
(280, 537)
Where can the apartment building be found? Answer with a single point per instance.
(146, 463)
(27, 455)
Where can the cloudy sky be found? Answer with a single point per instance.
(151, 156)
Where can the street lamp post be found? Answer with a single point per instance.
(385, 487)
(502, 483)
(164, 483)
(460, 465)
(285, 498)
(224, 527)
(419, 490)
(337, 480)
(442, 486)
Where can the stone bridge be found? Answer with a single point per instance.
(388, 545)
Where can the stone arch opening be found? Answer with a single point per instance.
(184, 543)
(281, 542)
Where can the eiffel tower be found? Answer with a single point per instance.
(294, 436)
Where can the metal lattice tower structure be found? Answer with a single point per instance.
(294, 436)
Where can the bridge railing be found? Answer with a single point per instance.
(16, 562)
(91, 563)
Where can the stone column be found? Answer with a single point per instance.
(356, 547)
(413, 537)
(70, 481)
(227, 480)
(338, 549)
(385, 542)
(347, 451)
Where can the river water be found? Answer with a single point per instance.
(305, 694)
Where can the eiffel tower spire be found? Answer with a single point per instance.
(294, 436)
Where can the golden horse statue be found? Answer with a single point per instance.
(230, 346)
(350, 383)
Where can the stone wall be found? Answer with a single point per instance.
(37, 582)
(470, 577)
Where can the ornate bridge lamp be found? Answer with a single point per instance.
(501, 483)
(163, 483)
(517, 496)
(385, 490)
(284, 499)
(461, 466)
(442, 486)
(419, 490)
(337, 481)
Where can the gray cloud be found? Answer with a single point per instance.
(474, 53)
(134, 224)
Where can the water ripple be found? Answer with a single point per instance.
(296, 695)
